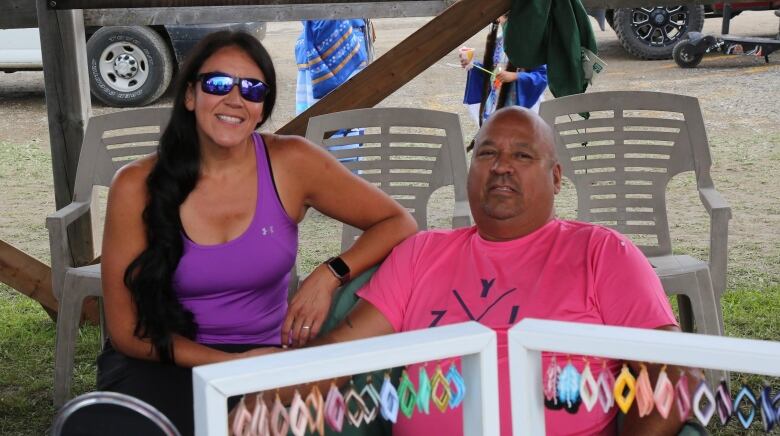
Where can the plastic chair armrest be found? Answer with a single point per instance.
(714, 202)
(57, 224)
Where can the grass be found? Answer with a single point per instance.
(27, 334)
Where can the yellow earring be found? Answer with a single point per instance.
(625, 380)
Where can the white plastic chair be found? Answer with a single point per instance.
(108, 145)
(621, 160)
(413, 153)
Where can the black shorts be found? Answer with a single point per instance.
(166, 387)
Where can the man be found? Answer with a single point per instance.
(518, 261)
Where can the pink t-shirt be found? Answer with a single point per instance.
(567, 271)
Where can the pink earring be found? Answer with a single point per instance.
(703, 415)
(683, 397)
(334, 408)
(551, 385)
(723, 402)
(589, 388)
(664, 393)
(644, 393)
(241, 419)
(280, 419)
(606, 384)
(299, 415)
(259, 425)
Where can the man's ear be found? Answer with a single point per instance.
(556, 171)
(189, 98)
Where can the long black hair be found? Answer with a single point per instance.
(174, 175)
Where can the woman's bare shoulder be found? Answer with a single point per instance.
(130, 180)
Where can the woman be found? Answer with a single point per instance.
(200, 237)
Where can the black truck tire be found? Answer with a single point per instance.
(128, 66)
(652, 32)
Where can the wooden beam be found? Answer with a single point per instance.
(28, 276)
(64, 53)
(32, 278)
(406, 60)
(17, 14)
(233, 14)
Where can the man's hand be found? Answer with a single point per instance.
(309, 307)
(506, 76)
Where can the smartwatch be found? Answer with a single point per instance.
(339, 269)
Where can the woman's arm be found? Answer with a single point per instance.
(308, 176)
(124, 238)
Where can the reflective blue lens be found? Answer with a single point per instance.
(216, 83)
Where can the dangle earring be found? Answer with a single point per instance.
(663, 396)
(776, 406)
(457, 386)
(334, 408)
(241, 419)
(280, 419)
(703, 391)
(299, 415)
(606, 384)
(625, 381)
(550, 386)
(723, 402)
(424, 392)
(644, 392)
(369, 393)
(388, 400)
(439, 384)
(589, 388)
(683, 396)
(259, 424)
(316, 407)
(750, 400)
(407, 396)
(767, 411)
(356, 417)
(569, 388)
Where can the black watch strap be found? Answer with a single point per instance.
(339, 268)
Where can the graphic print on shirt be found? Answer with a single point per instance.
(490, 306)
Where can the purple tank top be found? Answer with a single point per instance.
(238, 290)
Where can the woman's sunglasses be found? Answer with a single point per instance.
(217, 83)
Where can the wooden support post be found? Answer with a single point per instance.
(406, 60)
(64, 53)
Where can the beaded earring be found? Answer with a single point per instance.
(606, 384)
(407, 396)
(440, 390)
(334, 408)
(683, 397)
(388, 400)
(569, 388)
(316, 407)
(298, 415)
(703, 415)
(424, 392)
(280, 419)
(457, 386)
(369, 393)
(589, 388)
(625, 381)
(356, 417)
(663, 396)
(723, 402)
(776, 406)
(241, 419)
(747, 395)
(767, 411)
(550, 386)
(644, 393)
(260, 417)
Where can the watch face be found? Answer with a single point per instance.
(339, 267)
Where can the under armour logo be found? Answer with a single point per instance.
(267, 230)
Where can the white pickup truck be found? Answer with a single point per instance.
(127, 65)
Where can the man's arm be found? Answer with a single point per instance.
(654, 424)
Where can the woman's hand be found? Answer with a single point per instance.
(506, 76)
(309, 307)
